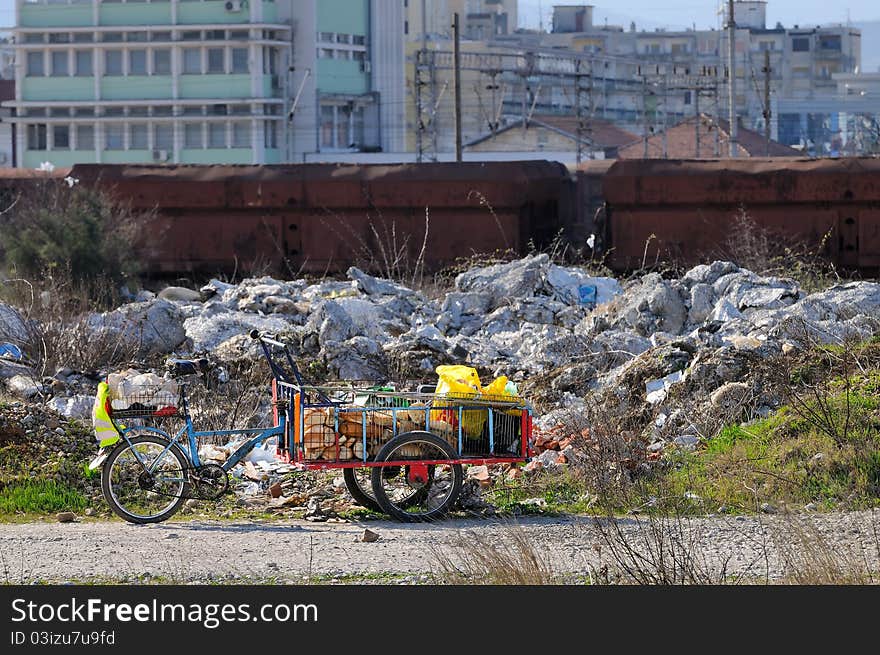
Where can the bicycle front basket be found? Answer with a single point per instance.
(146, 401)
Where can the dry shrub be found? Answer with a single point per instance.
(55, 323)
(765, 252)
(478, 559)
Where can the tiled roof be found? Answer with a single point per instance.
(681, 142)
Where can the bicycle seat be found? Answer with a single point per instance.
(186, 366)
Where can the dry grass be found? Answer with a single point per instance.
(810, 558)
(478, 560)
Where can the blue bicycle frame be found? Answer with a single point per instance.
(192, 449)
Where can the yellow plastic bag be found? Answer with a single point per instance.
(463, 382)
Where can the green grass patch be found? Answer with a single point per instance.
(786, 459)
(39, 497)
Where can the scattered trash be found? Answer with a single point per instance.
(11, 351)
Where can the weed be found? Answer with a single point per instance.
(39, 496)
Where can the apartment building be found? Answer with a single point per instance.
(647, 81)
(478, 19)
(205, 81)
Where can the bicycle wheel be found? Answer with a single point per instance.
(145, 481)
(359, 485)
(417, 492)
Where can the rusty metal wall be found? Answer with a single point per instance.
(686, 211)
(324, 218)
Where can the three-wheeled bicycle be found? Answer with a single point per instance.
(401, 453)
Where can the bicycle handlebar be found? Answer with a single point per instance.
(257, 335)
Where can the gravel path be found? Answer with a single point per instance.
(201, 551)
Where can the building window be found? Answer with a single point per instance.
(136, 37)
(829, 42)
(191, 36)
(328, 121)
(138, 110)
(216, 135)
(215, 35)
(687, 97)
(270, 132)
(217, 110)
(163, 137)
(767, 46)
(59, 64)
(34, 38)
(113, 62)
(800, 44)
(137, 62)
(327, 37)
(240, 110)
(59, 37)
(160, 36)
(161, 62)
(85, 137)
(84, 63)
(357, 39)
(215, 60)
(325, 53)
(36, 137)
(343, 38)
(162, 110)
(83, 37)
(114, 111)
(137, 136)
(114, 138)
(35, 64)
(192, 135)
(240, 60)
(269, 62)
(60, 137)
(241, 137)
(192, 61)
(111, 37)
(238, 35)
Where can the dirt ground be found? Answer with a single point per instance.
(757, 547)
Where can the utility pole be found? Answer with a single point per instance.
(457, 77)
(699, 121)
(731, 77)
(645, 113)
(767, 113)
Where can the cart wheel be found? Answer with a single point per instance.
(417, 492)
(357, 481)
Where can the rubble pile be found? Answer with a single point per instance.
(653, 353)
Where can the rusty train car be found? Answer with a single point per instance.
(318, 218)
(687, 211)
(322, 218)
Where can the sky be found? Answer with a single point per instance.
(703, 13)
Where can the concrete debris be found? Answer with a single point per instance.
(574, 341)
(78, 406)
(147, 328)
(180, 294)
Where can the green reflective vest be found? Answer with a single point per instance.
(105, 432)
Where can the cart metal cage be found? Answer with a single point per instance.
(339, 426)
